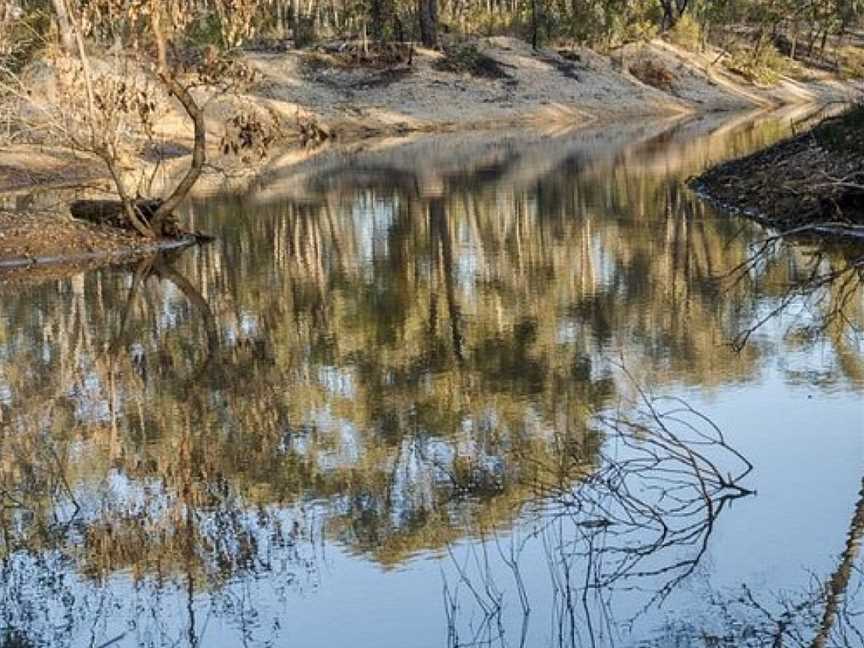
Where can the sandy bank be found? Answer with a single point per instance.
(536, 87)
(546, 89)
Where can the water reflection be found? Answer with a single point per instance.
(380, 361)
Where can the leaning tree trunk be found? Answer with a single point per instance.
(836, 587)
(162, 219)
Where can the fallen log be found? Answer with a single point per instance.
(111, 212)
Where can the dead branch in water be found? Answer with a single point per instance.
(642, 520)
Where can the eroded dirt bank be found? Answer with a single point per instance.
(810, 183)
(520, 85)
(37, 246)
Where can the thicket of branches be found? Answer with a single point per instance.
(107, 104)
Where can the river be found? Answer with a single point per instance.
(483, 389)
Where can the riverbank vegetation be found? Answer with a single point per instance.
(810, 183)
(822, 31)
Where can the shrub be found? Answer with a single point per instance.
(465, 58)
(686, 33)
(852, 62)
(204, 31)
(764, 65)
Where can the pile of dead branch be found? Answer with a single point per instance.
(312, 133)
(466, 58)
(369, 54)
(113, 215)
(813, 181)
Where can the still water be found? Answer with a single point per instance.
(515, 389)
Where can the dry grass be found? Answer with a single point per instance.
(852, 62)
(686, 33)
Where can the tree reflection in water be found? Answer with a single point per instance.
(824, 293)
(401, 362)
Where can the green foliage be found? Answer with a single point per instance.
(764, 65)
(304, 31)
(22, 38)
(686, 33)
(205, 30)
(485, 23)
(602, 24)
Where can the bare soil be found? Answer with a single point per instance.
(31, 239)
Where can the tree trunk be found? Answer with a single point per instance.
(378, 19)
(440, 229)
(836, 587)
(535, 25)
(823, 44)
(668, 15)
(427, 11)
(67, 38)
(195, 113)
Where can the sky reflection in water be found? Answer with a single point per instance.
(386, 408)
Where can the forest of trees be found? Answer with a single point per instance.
(805, 26)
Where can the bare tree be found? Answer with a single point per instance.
(639, 520)
(109, 103)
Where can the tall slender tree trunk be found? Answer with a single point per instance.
(440, 229)
(67, 37)
(427, 11)
(836, 587)
(378, 19)
(824, 43)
